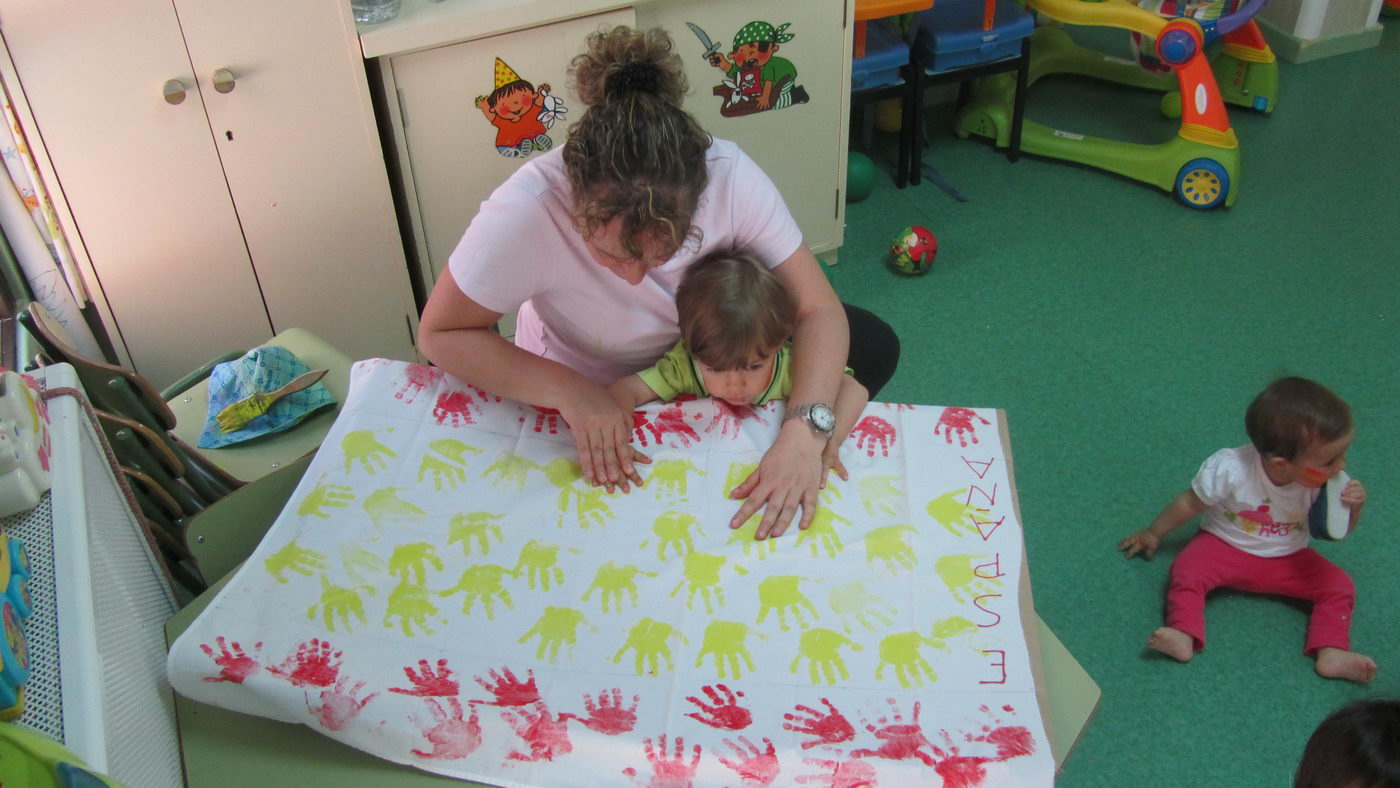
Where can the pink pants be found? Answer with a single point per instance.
(1208, 562)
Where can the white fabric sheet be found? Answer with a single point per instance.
(443, 591)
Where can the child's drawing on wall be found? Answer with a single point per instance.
(521, 113)
(755, 78)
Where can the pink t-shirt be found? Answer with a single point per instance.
(522, 252)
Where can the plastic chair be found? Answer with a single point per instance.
(962, 40)
(177, 415)
(882, 72)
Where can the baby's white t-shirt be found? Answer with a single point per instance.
(1246, 509)
(522, 251)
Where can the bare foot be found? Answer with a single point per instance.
(1176, 644)
(1334, 663)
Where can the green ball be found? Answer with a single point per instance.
(860, 176)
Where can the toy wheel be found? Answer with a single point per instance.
(1202, 183)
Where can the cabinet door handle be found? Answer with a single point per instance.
(223, 80)
(174, 91)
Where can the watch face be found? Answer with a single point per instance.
(823, 418)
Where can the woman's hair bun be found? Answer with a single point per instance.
(633, 77)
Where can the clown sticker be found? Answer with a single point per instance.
(755, 78)
(521, 114)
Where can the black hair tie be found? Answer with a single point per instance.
(633, 77)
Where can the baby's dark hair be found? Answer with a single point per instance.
(1357, 746)
(635, 153)
(507, 89)
(1292, 414)
(733, 309)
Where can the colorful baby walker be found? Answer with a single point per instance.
(1201, 163)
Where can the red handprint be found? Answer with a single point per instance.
(897, 406)
(843, 774)
(876, 430)
(508, 689)
(607, 716)
(723, 710)
(451, 736)
(671, 421)
(429, 682)
(829, 727)
(546, 418)
(672, 772)
(538, 728)
(338, 705)
(960, 420)
(899, 740)
(311, 665)
(417, 378)
(757, 768)
(483, 393)
(727, 416)
(234, 665)
(641, 425)
(966, 771)
(454, 406)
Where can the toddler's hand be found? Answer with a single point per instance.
(831, 460)
(1353, 495)
(1142, 541)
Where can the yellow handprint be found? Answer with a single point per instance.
(483, 582)
(540, 560)
(888, 545)
(725, 640)
(880, 494)
(823, 531)
(702, 573)
(453, 470)
(738, 472)
(613, 580)
(673, 530)
(339, 601)
(822, 649)
(556, 626)
(413, 558)
(324, 495)
(511, 468)
(412, 605)
(591, 508)
(358, 562)
(361, 445)
(743, 536)
(669, 477)
(648, 637)
(852, 601)
(946, 629)
(474, 525)
(955, 515)
(902, 651)
(294, 559)
(453, 449)
(780, 593)
(384, 506)
(960, 575)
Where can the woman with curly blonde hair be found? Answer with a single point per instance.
(590, 241)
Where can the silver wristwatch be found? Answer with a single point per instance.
(820, 417)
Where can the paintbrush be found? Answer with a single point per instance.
(238, 414)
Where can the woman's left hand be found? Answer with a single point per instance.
(787, 478)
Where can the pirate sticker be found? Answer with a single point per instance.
(521, 113)
(755, 78)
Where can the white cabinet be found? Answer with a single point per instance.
(448, 155)
(446, 147)
(802, 147)
(258, 202)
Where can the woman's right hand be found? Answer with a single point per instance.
(602, 429)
